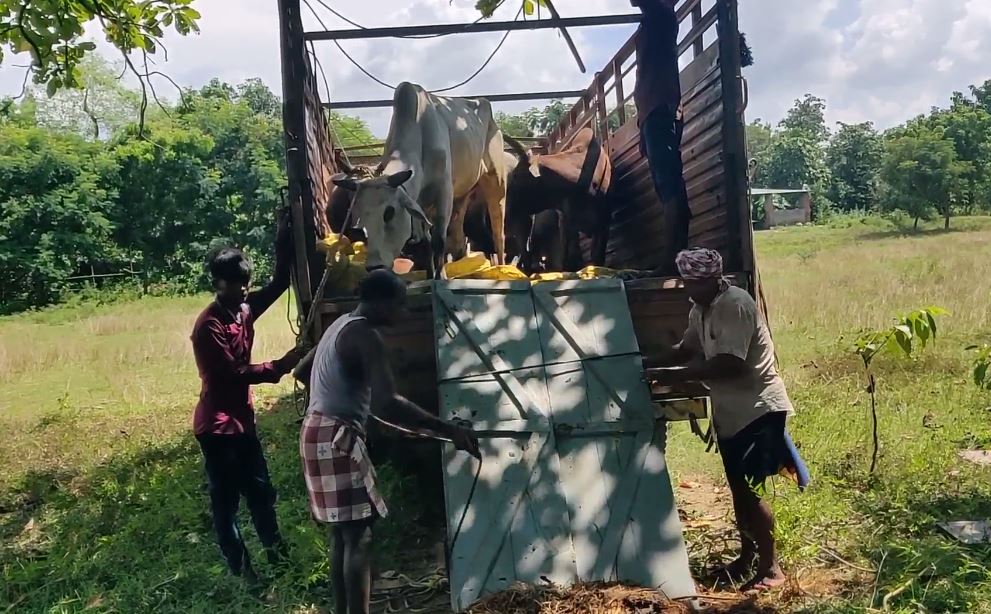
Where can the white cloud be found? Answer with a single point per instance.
(880, 60)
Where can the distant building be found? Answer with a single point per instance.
(782, 216)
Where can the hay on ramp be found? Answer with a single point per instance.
(600, 599)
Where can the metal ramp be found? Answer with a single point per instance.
(573, 485)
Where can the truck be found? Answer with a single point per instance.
(714, 96)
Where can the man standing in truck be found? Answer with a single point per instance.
(659, 114)
(349, 381)
(728, 347)
(224, 419)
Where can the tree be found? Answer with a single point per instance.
(968, 125)
(793, 162)
(351, 132)
(54, 33)
(807, 118)
(101, 107)
(853, 158)
(513, 125)
(57, 206)
(921, 173)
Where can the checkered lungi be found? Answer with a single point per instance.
(340, 478)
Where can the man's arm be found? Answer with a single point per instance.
(719, 367)
(733, 327)
(364, 344)
(260, 300)
(210, 342)
(678, 354)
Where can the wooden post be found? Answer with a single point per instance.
(600, 110)
(294, 129)
(696, 18)
(617, 69)
(741, 258)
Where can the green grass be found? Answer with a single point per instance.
(103, 507)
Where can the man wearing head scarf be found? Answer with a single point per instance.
(728, 347)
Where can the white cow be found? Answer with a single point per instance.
(438, 150)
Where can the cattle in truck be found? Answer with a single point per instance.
(439, 150)
(575, 182)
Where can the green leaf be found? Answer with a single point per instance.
(981, 375)
(528, 7)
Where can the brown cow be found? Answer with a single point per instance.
(574, 182)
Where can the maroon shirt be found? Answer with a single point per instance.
(658, 78)
(222, 343)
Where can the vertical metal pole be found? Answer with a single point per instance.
(294, 129)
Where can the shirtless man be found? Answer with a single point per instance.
(349, 380)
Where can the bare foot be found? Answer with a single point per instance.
(734, 571)
(765, 580)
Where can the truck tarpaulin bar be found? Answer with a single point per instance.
(470, 28)
(372, 104)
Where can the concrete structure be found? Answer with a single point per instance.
(785, 217)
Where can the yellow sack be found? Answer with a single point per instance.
(502, 272)
(552, 276)
(467, 266)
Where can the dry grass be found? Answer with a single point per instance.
(83, 383)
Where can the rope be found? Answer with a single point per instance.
(390, 86)
(410, 37)
(464, 512)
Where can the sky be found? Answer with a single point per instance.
(871, 60)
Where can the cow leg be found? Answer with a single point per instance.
(573, 257)
(518, 232)
(494, 192)
(440, 233)
(603, 211)
(456, 244)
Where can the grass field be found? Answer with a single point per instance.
(102, 504)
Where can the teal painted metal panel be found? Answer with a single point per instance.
(573, 484)
(624, 521)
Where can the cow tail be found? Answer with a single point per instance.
(517, 148)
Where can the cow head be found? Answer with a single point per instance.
(389, 215)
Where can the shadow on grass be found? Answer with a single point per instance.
(896, 232)
(134, 534)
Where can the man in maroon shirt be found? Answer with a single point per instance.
(659, 113)
(224, 419)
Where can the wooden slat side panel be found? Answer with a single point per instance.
(637, 231)
(319, 152)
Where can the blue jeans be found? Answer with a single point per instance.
(660, 141)
(235, 467)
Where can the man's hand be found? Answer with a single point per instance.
(465, 439)
(290, 360)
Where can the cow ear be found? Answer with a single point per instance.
(397, 179)
(415, 210)
(343, 181)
